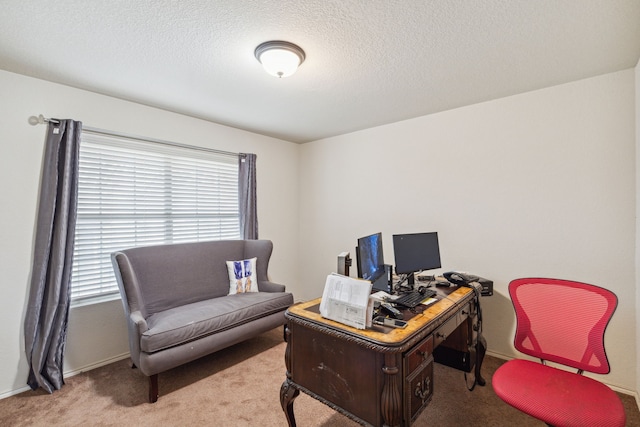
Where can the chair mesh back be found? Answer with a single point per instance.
(562, 321)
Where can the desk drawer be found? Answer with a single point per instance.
(419, 354)
(446, 329)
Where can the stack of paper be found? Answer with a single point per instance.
(346, 300)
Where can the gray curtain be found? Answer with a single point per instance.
(247, 196)
(45, 325)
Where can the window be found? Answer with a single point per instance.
(136, 193)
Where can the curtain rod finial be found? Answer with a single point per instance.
(40, 120)
(33, 120)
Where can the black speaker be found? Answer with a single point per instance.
(388, 271)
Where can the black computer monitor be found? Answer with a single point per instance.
(370, 261)
(416, 252)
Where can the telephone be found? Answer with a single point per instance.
(461, 279)
(470, 281)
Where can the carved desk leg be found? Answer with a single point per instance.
(391, 401)
(288, 392)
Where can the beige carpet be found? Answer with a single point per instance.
(240, 386)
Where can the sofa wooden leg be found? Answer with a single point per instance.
(153, 388)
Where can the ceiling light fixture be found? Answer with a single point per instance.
(279, 58)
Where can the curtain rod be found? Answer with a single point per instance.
(40, 120)
(33, 120)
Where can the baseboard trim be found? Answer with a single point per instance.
(98, 364)
(71, 373)
(14, 392)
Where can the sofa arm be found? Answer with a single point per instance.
(266, 286)
(137, 319)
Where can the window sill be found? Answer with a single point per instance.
(94, 300)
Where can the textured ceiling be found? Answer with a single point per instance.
(369, 62)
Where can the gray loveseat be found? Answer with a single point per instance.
(176, 299)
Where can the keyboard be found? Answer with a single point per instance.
(413, 298)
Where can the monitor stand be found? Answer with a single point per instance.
(411, 279)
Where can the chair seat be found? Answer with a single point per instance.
(557, 397)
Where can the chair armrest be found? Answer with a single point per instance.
(266, 286)
(138, 320)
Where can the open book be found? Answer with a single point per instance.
(346, 300)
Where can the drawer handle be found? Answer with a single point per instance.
(423, 354)
(423, 389)
(441, 335)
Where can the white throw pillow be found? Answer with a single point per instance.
(242, 276)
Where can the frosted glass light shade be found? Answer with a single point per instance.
(279, 58)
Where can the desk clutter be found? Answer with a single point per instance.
(350, 301)
(347, 300)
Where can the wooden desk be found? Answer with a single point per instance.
(378, 376)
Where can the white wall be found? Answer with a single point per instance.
(541, 183)
(538, 184)
(97, 333)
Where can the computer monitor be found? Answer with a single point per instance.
(370, 261)
(416, 252)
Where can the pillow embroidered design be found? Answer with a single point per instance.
(242, 276)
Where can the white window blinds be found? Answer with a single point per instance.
(135, 193)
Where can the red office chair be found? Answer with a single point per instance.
(563, 322)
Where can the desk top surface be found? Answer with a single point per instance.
(435, 314)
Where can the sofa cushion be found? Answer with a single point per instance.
(242, 276)
(192, 321)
